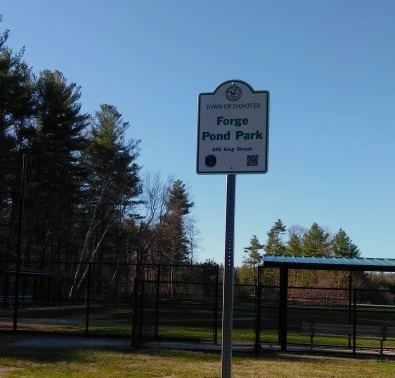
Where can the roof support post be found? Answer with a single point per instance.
(350, 297)
(283, 308)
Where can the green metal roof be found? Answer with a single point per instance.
(329, 263)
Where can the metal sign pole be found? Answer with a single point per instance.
(227, 309)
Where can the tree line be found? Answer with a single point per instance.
(296, 241)
(315, 241)
(86, 199)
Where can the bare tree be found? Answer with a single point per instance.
(154, 199)
(193, 235)
(88, 251)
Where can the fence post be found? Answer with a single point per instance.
(135, 311)
(88, 295)
(19, 248)
(157, 303)
(216, 299)
(48, 290)
(354, 336)
(258, 304)
(6, 289)
(350, 298)
(141, 313)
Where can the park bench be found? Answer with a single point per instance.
(326, 330)
(380, 333)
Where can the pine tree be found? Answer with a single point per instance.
(56, 167)
(294, 245)
(253, 258)
(17, 108)
(113, 183)
(342, 246)
(60, 138)
(275, 244)
(17, 102)
(111, 188)
(111, 160)
(316, 242)
(178, 201)
(174, 240)
(247, 273)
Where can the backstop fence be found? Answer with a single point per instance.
(181, 307)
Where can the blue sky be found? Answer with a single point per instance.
(329, 67)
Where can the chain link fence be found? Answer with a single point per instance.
(181, 307)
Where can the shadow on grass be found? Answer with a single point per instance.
(34, 348)
(56, 348)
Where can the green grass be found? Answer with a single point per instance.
(40, 362)
(267, 336)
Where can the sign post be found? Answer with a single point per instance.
(232, 138)
(227, 307)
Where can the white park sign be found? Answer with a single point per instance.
(233, 130)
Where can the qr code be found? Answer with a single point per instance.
(252, 160)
